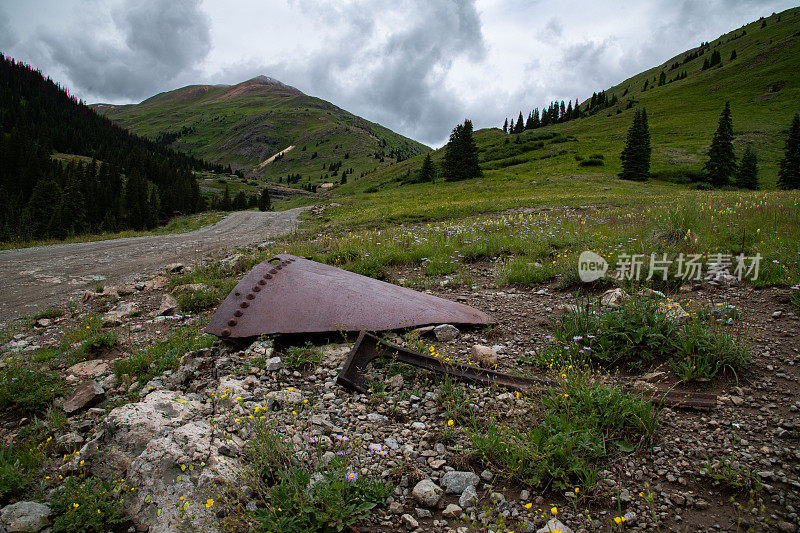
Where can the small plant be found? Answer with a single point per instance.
(88, 505)
(795, 296)
(731, 474)
(28, 390)
(199, 300)
(304, 357)
(706, 352)
(50, 312)
(165, 355)
(453, 399)
(18, 464)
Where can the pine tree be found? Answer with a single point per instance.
(225, 205)
(505, 126)
(747, 174)
(511, 126)
(636, 154)
(240, 201)
(789, 172)
(426, 172)
(461, 154)
(264, 201)
(520, 124)
(733, 54)
(662, 78)
(721, 162)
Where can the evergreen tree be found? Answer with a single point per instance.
(636, 154)
(226, 205)
(511, 127)
(747, 174)
(721, 162)
(505, 126)
(568, 115)
(536, 120)
(529, 122)
(520, 124)
(426, 172)
(41, 207)
(240, 201)
(264, 201)
(662, 78)
(733, 54)
(789, 172)
(461, 154)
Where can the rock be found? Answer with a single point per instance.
(43, 323)
(168, 305)
(88, 394)
(123, 310)
(613, 298)
(409, 521)
(139, 286)
(423, 513)
(396, 508)
(25, 517)
(273, 364)
(487, 475)
(71, 440)
(452, 511)
(395, 382)
(421, 332)
(88, 369)
(653, 376)
(484, 355)
(554, 525)
(427, 493)
(446, 332)
(232, 264)
(777, 314)
(456, 482)
(468, 497)
(674, 312)
(174, 268)
(285, 397)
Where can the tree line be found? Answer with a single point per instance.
(122, 181)
(721, 169)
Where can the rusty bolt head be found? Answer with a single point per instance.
(232, 322)
(244, 305)
(273, 271)
(250, 296)
(226, 332)
(238, 313)
(256, 289)
(262, 282)
(267, 276)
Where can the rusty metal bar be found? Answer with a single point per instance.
(369, 347)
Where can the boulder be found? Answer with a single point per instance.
(456, 482)
(485, 356)
(88, 369)
(25, 517)
(469, 497)
(427, 493)
(88, 394)
(446, 332)
(168, 305)
(174, 268)
(613, 298)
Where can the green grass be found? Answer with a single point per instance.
(88, 504)
(582, 424)
(28, 390)
(302, 357)
(20, 464)
(288, 501)
(148, 362)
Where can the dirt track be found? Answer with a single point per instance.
(32, 279)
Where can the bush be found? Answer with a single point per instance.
(581, 424)
(294, 495)
(307, 356)
(591, 163)
(682, 176)
(199, 300)
(18, 465)
(165, 355)
(28, 391)
(88, 505)
(705, 353)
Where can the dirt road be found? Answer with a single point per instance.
(32, 279)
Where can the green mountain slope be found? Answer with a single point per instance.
(762, 84)
(245, 125)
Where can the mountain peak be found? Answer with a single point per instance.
(261, 83)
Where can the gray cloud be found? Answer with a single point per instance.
(8, 37)
(159, 42)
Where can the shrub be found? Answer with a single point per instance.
(581, 424)
(18, 465)
(29, 391)
(88, 505)
(307, 356)
(199, 300)
(592, 163)
(165, 355)
(704, 353)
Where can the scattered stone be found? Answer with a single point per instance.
(409, 521)
(174, 268)
(674, 311)
(421, 332)
(452, 511)
(468, 497)
(285, 397)
(88, 394)
(27, 517)
(484, 355)
(777, 314)
(554, 525)
(122, 310)
(427, 493)
(395, 382)
(446, 332)
(168, 305)
(456, 482)
(43, 323)
(487, 475)
(139, 286)
(88, 369)
(613, 298)
(273, 364)
(232, 264)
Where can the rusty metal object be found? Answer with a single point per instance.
(289, 294)
(369, 347)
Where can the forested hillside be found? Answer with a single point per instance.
(65, 170)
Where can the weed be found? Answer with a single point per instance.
(50, 312)
(580, 424)
(199, 300)
(18, 465)
(88, 504)
(795, 296)
(304, 357)
(706, 351)
(94, 344)
(165, 355)
(295, 495)
(732, 474)
(453, 398)
(28, 390)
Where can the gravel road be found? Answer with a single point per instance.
(32, 279)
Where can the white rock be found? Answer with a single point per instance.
(484, 355)
(613, 298)
(427, 493)
(456, 482)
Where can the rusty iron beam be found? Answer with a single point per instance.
(368, 347)
(288, 294)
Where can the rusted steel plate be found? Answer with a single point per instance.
(290, 294)
(369, 347)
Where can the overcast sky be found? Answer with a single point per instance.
(415, 66)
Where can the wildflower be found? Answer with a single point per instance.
(352, 475)
(450, 422)
(313, 440)
(290, 389)
(375, 447)
(181, 498)
(618, 520)
(209, 503)
(554, 510)
(576, 490)
(75, 505)
(528, 505)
